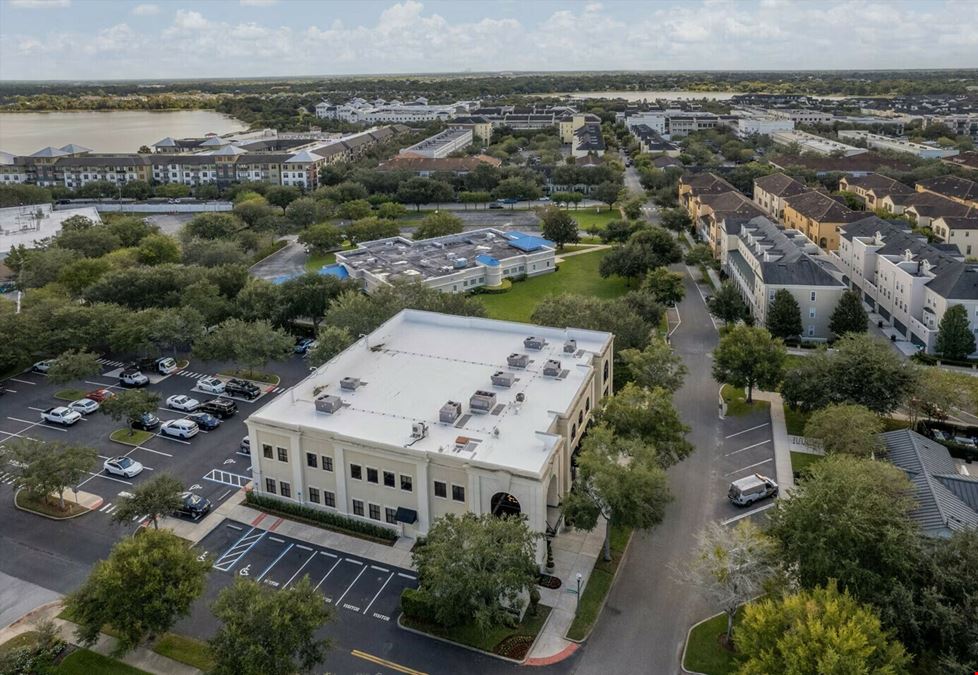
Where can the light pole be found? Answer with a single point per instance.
(578, 605)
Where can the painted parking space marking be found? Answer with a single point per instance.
(276, 539)
(759, 426)
(749, 447)
(238, 549)
(14, 379)
(103, 385)
(298, 571)
(227, 478)
(750, 466)
(338, 561)
(747, 514)
(155, 452)
(34, 424)
(275, 562)
(377, 594)
(12, 391)
(407, 576)
(385, 663)
(106, 477)
(340, 600)
(303, 547)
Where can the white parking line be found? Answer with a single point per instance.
(304, 548)
(12, 391)
(168, 438)
(155, 452)
(751, 466)
(276, 540)
(275, 562)
(105, 508)
(14, 379)
(338, 561)
(102, 475)
(381, 589)
(407, 576)
(103, 385)
(351, 585)
(748, 513)
(747, 448)
(759, 426)
(34, 424)
(327, 553)
(355, 562)
(379, 569)
(292, 578)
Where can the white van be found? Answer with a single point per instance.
(744, 491)
(165, 365)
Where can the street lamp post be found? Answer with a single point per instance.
(578, 605)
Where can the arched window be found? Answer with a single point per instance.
(580, 417)
(574, 431)
(607, 368)
(587, 404)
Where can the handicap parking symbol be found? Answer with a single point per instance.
(245, 571)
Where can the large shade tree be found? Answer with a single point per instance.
(749, 357)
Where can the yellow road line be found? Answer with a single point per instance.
(387, 664)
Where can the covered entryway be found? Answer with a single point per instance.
(504, 504)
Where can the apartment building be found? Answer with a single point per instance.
(756, 125)
(692, 188)
(923, 207)
(907, 281)
(425, 167)
(817, 145)
(818, 217)
(872, 187)
(455, 263)
(804, 116)
(672, 124)
(856, 165)
(761, 259)
(651, 141)
(526, 117)
(956, 189)
(379, 111)
(957, 230)
(892, 144)
(588, 141)
(442, 144)
(434, 414)
(770, 193)
(481, 127)
(714, 211)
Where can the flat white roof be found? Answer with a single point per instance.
(418, 361)
(28, 225)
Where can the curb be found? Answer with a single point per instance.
(44, 515)
(682, 659)
(275, 252)
(126, 443)
(624, 556)
(30, 615)
(456, 644)
(563, 654)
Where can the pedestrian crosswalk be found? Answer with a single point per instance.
(108, 508)
(276, 390)
(227, 478)
(110, 362)
(191, 374)
(7, 478)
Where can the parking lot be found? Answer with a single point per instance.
(747, 448)
(208, 464)
(356, 586)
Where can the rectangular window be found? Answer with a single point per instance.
(372, 475)
(267, 450)
(283, 454)
(458, 493)
(406, 483)
(329, 499)
(314, 495)
(357, 507)
(285, 488)
(811, 312)
(356, 473)
(389, 479)
(327, 463)
(390, 515)
(374, 511)
(813, 296)
(270, 485)
(441, 489)
(311, 459)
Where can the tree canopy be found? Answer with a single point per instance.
(849, 315)
(749, 357)
(784, 316)
(955, 340)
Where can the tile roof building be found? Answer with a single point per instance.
(770, 193)
(956, 189)
(818, 216)
(871, 187)
(961, 231)
(867, 162)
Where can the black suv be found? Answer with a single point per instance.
(244, 388)
(146, 422)
(219, 407)
(193, 506)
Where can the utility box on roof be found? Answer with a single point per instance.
(503, 379)
(482, 401)
(518, 360)
(450, 412)
(535, 343)
(551, 368)
(328, 403)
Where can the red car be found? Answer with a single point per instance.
(100, 394)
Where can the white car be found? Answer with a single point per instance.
(181, 402)
(211, 385)
(85, 406)
(179, 428)
(60, 415)
(42, 366)
(123, 466)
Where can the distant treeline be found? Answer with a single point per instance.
(156, 95)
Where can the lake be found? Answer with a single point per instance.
(112, 131)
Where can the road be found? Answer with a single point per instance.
(634, 185)
(290, 260)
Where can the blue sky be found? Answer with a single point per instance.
(85, 39)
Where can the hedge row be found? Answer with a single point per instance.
(327, 519)
(931, 360)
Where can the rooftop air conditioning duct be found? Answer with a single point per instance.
(570, 346)
(328, 403)
(482, 401)
(534, 343)
(551, 368)
(350, 383)
(450, 412)
(503, 379)
(518, 360)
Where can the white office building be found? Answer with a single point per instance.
(818, 145)
(893, 144)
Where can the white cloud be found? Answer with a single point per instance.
(186, 19)
(146, 10)
(258, 3)
(40, 4)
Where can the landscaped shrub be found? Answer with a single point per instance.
(326, 518)
(415, 605)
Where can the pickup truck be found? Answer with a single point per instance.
(61, 415)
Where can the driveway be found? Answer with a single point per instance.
(287, 261)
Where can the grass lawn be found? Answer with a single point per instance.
(256, 375)
(85, 662)
(41, 505)
(891, 424)
(588, 217)
(23, 640)
(800, 461)
(510, 642)
(795, 420)
(736, 400)
(703, 651)
(792, 361)
(185, 649)
(70, 394)
(598, 585)
(315, 262)
(130, 437)
(578, 274)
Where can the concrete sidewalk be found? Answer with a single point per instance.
(784, 476)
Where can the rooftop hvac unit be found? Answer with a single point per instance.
(482, 401)
(419, 430)
(490, 236)
(450, 412)
(551, 368)
(570, 346)
(518, 360)
(460, 263)
(503, 379)
(328, 403)
(350, 383)
(534, 343)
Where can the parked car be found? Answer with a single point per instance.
(303, 345)
(966, 441)
(146, 421)
(495, 205)
(244, 448)
(99, 395)
(123, 466)
(85, 406)
(244, 388)
(211, 385)
(750, 489)
(193, 506)
(132, 377)
(42, 366)
(181, 402)
(179, 428)
(544, 199)
(219, 407)
(941, 435)
(165, 365)
(60, 415)
(204, 420)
